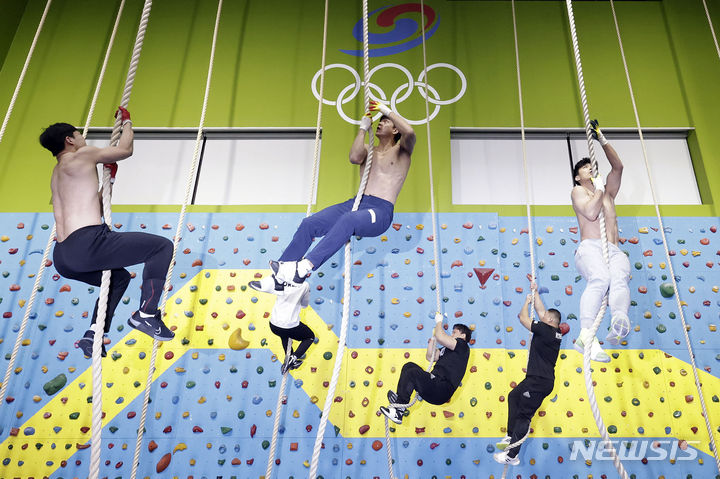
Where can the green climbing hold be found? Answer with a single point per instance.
(672, 315)
(677, 414)
(327, 355)
(667, 290)
(638, 265)
(511, 354)
(660, 328)
(265, 444)
(473, 402)
(545, 446)
(607, 399)
(635, 402)
(612, 429)
(488, 385)
(656, 370)
(55, 384)
(74, 415)
(557, 429)
(225, 429)
(113, 429)
(203, 301)
(272, 383)
(260, 369)
(190, 384)
(555, 277)
(241, 414)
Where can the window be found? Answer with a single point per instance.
(235, 166)
(487, 165)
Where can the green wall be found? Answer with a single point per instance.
(268, 53)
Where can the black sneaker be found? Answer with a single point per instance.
(295, 362)
(286, 365)
(152, 326)
(86, 344)
(392, 396)
(395, 415)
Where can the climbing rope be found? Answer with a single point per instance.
(712, 29)
(527, 206)
(685, 327)
(176, 241)
(436, 256)
(316, 161)
(38, 277)
(329, 399)
(589, 386)
(19, 83)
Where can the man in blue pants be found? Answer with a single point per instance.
(337, 223)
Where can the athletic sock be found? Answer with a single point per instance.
(145, 315)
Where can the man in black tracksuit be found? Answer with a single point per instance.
(438, 386)
(539, 381)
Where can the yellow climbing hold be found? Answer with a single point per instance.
(684, 252)
(407, 314)
(192, 462)
(383, 238)
(221, 357)
(643, 230)
(21, 303)
(370, 275)
(306, 464)
(647, 315)
(44, 369)
(514, 241)
(195, 355)
(225, 326)
(59, 314)
(236, 341)
(183, 275)
(407, 261)
(549, 229)
(443, 226)
(649, 265)
(509, 329)
(502, 230)
(419, 227)
(481, 262)
(658, 303)
(696, 253)
(715, 289)
(394, 301)
(158, 415)
(37, 399)
(268, 413)
(456, 240)
(26, 342)
(4, 238)
(712, 327)
(186, 414)
(202, 400)
(314, 399)
(662, 265)
(296, 414)
(71, 369)
(179, 370)
(691, 289)
(180, 447)
(539, 241)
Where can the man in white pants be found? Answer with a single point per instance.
(590, 196)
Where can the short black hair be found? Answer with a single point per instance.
(463, 330)
(398, 135)
(576, 168)
(556, 314)
(53, 138)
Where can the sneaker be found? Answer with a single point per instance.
(152, 326)
(392, 396)
(596, 351)
(504, 459)
(295, 362)
(394, 414)
(504, 443)
(86, 344)
(286, 364)
(268, 284)
(619, 329)
(287, 272)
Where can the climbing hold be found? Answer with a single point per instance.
(236, 341)
(666, 290)
(163, 463)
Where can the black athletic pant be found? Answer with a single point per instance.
(301, 333)
(523, 401)
(431, 388)
(90, 250)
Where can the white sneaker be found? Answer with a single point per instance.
(596, 351)
(504, 443)
(504, 459)
(395, 415)
(619, 329)
(268, 284)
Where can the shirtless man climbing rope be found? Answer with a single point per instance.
(337, 223)
(86, 246)
(590, 196)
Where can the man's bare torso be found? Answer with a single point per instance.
(591, 229)
(74, 186)
(387, 173)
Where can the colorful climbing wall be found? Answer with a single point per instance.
(212, 407)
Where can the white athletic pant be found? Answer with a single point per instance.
(591, 265)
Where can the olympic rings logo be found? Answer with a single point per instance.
(400, 94)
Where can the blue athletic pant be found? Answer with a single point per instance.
(90, 250)
(337, 223)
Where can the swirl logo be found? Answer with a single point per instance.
(406, 32)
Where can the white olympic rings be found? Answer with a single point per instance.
(400, 94)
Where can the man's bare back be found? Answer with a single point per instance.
(74, 181)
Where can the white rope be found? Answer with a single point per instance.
(99, 326)
(603, 236)
(531, 236)
(51, 238)
(712, 29)
(348, 262)
(24, 70)
(436, 255)
(176, 241)
(316, 162)
(691, 353)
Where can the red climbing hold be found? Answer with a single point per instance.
(396, 226)
(483, 274)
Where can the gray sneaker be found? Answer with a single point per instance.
(152, 326)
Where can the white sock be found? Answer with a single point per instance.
(304, 267)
